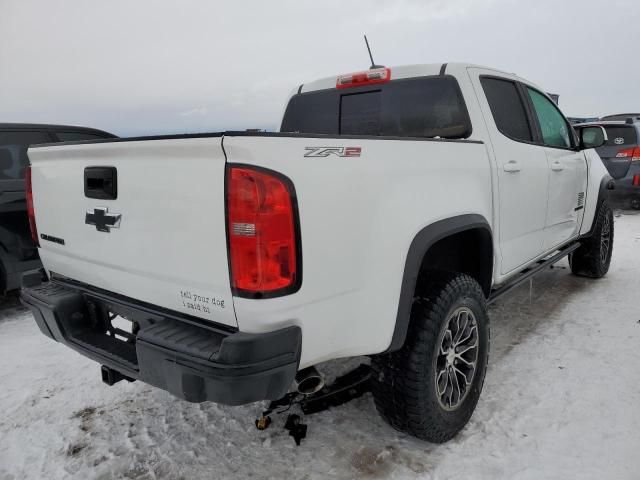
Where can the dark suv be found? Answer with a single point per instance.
(621, 156)
(17, 251)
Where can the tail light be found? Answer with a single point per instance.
(263, 233)
(633, 153)
(636, 180)
(30, 211)
(369, 77)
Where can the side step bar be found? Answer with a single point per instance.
(530, 272)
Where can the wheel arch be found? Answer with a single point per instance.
(435, 243)
(606, 185)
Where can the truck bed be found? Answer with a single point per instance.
(170, 249)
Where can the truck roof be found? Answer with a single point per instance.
(406, 71)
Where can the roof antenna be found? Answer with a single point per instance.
(373, 65)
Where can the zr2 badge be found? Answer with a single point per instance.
(337, 151)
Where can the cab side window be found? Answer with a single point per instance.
(553, 126)
(507, 108)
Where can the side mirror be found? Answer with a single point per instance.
(592, 137)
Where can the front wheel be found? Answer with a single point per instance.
(593, 257)
(430, 387)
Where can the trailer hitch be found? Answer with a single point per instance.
(345, 388)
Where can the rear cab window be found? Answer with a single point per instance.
(431, 107)
(13, 151)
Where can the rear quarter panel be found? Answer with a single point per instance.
(358, 216)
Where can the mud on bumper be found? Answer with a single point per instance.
(191, 359)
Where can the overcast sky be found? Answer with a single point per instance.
(158, 66)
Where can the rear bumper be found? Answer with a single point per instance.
(188, 358)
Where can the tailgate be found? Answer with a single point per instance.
(162, 240)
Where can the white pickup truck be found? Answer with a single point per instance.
(393, 206)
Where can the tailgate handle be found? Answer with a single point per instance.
(101, 183)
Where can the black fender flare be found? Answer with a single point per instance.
(419, 247)
(606, 185)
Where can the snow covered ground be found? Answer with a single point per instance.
(561, 400)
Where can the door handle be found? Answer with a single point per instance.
(512, 166)
(557, 166)
(101, 183)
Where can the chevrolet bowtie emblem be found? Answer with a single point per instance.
(102, 219)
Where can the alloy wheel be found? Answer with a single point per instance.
(605, 239)
(457, 358)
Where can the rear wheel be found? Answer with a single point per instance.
(593, 257)
(430, 387)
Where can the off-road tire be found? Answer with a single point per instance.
(403, 382)
(590, 260)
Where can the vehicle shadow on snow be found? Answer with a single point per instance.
(10, 306)
(146, 433)
(515, 317)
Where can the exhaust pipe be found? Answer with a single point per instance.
(309, 381)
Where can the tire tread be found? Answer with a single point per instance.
(398, 384)
(586, 261)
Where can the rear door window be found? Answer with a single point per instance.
(507, 108)
(13, 151)
(416, 107)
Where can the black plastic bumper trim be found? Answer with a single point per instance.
(191, 362)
